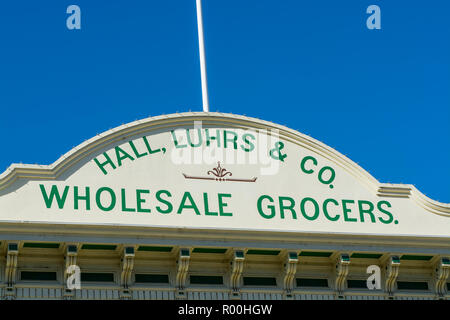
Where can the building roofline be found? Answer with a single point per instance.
(54, 170)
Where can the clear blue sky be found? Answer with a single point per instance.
(381, 97)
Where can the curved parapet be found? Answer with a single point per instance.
(215, 170)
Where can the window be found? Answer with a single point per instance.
(357, 284)
(184, 252)
(366, 255)
(38, 276)
(97, 277)
(209, 250)
(129, 250)
(41, 245)
(412, 285)
(260, 281)
(309, 282)
(218, 280)
(413, 257)
(98, 247)
(151, 278)
(264, 252)
(293, 255)
(315, 254)
(153, 248)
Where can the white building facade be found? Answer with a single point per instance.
(216, 206)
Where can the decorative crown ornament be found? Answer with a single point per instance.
(220, 174)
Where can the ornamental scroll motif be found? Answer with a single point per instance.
(220, 174)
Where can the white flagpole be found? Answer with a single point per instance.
(202, 57)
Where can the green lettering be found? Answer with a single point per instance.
(290, 207)
(136, 152)
(347, 210)
(77, 197)
(175, 141)
(248, 142)
(108, 161)
(330, 179)
(271, 207)
(200, 139)
(325, 210)
(148, 146)
(124, 155)
(124, 204)
(391, 218)
(140, 201)
(99, 203)
(223, 204)
(209, 138)
(368, 210)
(54, 193)
(183, 205)
(167, 203)
(207, 212)
(316, 208)
(233, 140)
(302, 164)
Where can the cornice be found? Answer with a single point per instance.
(213, 237)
